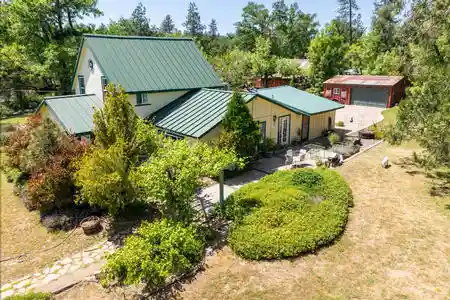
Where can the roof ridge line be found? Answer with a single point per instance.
(136, 37)
(226, 91)
(67, 96)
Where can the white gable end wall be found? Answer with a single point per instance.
(92, 78)
(155, 102)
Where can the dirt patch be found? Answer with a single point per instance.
(396, 246)
(21, 232)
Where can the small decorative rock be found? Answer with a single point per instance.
(385, 162)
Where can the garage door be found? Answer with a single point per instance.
(370, 96)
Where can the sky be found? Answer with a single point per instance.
(226, 13)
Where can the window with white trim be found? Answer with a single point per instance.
(336, 91)
(81, 86)
(141, 98)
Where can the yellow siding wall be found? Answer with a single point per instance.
(319, 123)
(212, 134)
(263, 110)
(43, 111)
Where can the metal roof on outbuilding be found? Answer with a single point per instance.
(195, 113)
(365, 80)
(297, 100)
(75, 113)
(151, 64)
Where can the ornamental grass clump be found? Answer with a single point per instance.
(287, 213)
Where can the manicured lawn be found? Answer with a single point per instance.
(21, 232)
(396, 245)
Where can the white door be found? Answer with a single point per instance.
(284, 124)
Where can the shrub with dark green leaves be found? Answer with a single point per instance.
(307, 178)
(297, 211)
(157, 251)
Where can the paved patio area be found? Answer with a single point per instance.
(363, 116)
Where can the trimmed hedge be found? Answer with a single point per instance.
(288, 213)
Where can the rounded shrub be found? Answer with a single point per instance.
(288, 213)
(157, 251)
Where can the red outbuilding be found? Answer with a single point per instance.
(368, 90)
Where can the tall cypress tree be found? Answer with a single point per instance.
(239, 123)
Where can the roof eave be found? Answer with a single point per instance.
(76, 63)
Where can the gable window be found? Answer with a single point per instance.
(141, 99)
(336, 91)
(104, 84)
(81, 85)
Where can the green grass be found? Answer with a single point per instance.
(390, 115)
(8, 124)
(30, 296)
(288, 213)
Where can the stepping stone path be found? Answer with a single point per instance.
(68, 266)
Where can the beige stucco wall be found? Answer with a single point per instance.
(155, 101)
(319, 123)
(263, 110)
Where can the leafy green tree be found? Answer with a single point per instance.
(351, 22)
(294, 29)
(193, 24)
(234, 67)
(239, 124)
(48, 32)
(326, 56)
(424, 115)
(167, 25)
(262, 61)
(255, 22)
(172, 175)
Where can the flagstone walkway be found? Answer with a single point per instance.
(62, 273)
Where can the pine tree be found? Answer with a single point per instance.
(239, 124)
(213, 31)
(193, 24)
(140, 21)
(167, 25)
(348, 14)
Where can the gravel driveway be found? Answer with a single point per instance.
(363, 116)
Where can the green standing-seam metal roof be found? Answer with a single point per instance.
(195, 113)
(297, 100)
(75, 112)
(151, 64)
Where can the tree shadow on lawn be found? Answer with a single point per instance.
(439, 179)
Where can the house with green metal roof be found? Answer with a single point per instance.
(170, 83)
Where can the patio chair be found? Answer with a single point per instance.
(289, 157)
